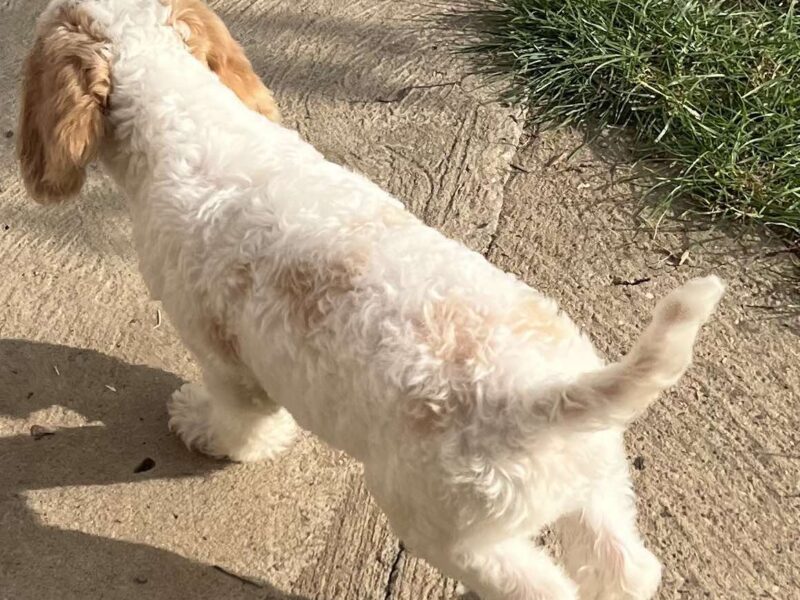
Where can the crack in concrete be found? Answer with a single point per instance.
(511, 171)
(394, 571)
(510, 175)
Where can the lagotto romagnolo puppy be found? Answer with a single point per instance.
(309, 295)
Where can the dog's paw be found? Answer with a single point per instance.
(635, 575)
(642, 576)
(189, 417)
(266, 436)
(229, 430)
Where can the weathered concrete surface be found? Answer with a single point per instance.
(371, 84)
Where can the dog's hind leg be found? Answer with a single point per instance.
(603, 550)
(230, 417)
(511, 570)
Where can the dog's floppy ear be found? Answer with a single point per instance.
(66, 85)
(210, 42)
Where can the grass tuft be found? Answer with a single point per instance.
(710, 88)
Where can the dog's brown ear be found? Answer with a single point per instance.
(210, 42)
(66, 85)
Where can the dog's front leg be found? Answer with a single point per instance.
(230, 417)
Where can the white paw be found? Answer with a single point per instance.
(241, 431)
(264, 438)
(642, 576)
(189, 417)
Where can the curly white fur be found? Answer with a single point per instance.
(480, 412)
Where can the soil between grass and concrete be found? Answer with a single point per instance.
(103, 502)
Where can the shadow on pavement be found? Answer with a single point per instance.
(43, 562)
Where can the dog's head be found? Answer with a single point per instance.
(67, 86)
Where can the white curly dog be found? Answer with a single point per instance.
(309, 295)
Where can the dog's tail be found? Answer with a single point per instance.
(618, 393)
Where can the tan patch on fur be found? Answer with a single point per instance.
(460, 337)
(209, 40)
(222, 335)
(454, 332)
(311, 290)
(65, 91)
(674, 312)
(605, 388)
(241, 281)
(225, 343)
(534, 318)
(391, 216)
(385, 216)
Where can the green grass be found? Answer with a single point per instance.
(710, 88)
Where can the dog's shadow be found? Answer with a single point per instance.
(126, 441)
